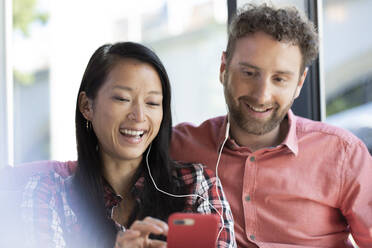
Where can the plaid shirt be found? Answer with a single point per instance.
(48, 204)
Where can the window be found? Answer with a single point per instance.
(50, 50)
(348, 66)
(299, 4)
(53, 45)
(194, 36)
(31, 84)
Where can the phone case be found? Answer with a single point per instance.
(190, 230)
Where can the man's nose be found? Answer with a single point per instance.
(262, 90)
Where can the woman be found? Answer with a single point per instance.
(123, 118)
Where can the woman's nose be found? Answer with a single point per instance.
(137, 113)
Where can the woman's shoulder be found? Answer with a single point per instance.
(16, 177)
(193, 173)
(49, 182)
(46, 205)
(48, 167)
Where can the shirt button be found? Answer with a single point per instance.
(252, 159)
(252, 237)
(247, 198)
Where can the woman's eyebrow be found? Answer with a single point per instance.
(121, 87)
(155, 92)
(127, 88)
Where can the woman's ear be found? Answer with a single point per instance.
(85, 106)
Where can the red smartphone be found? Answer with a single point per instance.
(192, 230)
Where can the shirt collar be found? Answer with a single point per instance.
(112, 199)
(290, 141)
(221, 133)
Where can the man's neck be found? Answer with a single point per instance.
(255, 142)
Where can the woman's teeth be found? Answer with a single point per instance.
(132, 132)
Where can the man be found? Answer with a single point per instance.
(290, 181)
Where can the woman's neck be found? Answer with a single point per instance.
(120, 174)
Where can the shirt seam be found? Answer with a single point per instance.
(342, 173)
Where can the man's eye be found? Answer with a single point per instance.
(279, 79)
(248, 73)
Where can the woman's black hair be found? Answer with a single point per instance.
(98, 229)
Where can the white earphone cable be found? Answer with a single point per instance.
(190, 195)
(218, 181)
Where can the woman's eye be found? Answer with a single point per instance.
(153, 104)
(121, 99)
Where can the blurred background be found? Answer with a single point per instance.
(51, 42)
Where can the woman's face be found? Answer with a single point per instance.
(127, 112)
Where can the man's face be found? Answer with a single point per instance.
(261, 82)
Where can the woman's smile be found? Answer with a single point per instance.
(133, 136)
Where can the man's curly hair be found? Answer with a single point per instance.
(283, 24)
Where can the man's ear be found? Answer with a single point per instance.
(85, 106)
(223, 67)
(301, 82)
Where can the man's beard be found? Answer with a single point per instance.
(249, 124)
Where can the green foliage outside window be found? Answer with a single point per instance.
(25, 13)
(352, 97)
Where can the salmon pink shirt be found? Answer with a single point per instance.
(312, 190)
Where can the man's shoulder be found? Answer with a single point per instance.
(306, 127)
(192, 138)
(210, 125)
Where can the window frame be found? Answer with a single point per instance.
(6, 85)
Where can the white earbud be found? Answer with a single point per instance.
(227, 129)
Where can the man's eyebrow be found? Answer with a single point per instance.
(126, 88)
(245, 64)
(285, 72)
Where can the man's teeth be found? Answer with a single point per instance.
(132, 132)
(258, 109)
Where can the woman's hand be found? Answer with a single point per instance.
(137, 236)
